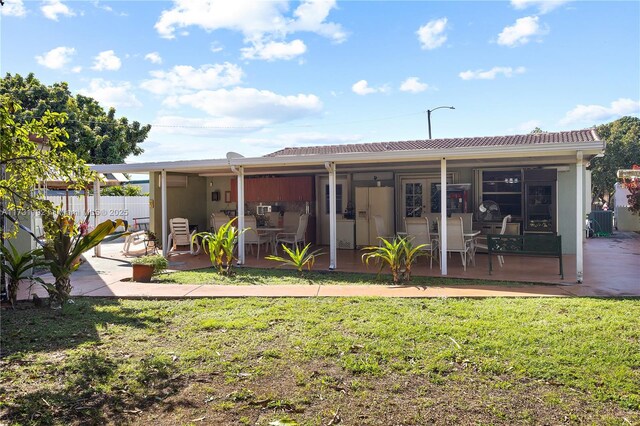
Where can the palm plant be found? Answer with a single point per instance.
(221, 246)
(398, 253)
(66, 241)
(298, 258)
(19, 266)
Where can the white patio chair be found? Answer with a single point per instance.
(417, 229)
(456, 242)
(252, 236)
(482, 244)
(381, 230)
(180, 236)
(216, 221)
(467, 221)
(294, 238)
(134, 242)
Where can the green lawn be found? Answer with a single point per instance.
(362, 361)
(263, 276)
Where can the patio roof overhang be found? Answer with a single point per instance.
(461, 157)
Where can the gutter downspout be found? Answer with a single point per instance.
(239, 171)
(163, 204)
(331, 168)
(442, 229)
(579, 217)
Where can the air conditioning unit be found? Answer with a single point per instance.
(175, 181)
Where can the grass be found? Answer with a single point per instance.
(308, 361)
(264, 276)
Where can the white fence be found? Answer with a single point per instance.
(111, 207)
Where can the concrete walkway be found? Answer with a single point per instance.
(613, 271)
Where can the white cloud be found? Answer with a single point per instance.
(51, 9)
(521, 32)
(205, 127)
(216, 47)
(362, 88)
(491, 74)
(300, 139)
(153, 57)
(56, 58)
(431, 35)
(413, 85)
(185, 78)
(111, 94)
(274, 50)
(593, 113)
(76, 69)
(250, 104)
(543, 6)
(263, 23)
(106, 61)
(527, 126)
(13, 8)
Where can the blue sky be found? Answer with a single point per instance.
(255, 76)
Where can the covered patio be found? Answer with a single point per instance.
(338, 170)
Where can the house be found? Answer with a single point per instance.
(540, 179)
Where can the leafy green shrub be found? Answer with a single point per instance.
(298, 258)
(398, 253)
(19, 266)
(158, 262)
(221, 246)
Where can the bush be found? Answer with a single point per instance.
(158, 262)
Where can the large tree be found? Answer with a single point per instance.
(93, 134)
(622, 151)
(32, 152)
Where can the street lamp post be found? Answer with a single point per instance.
(429, 111)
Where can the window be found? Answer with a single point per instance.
(338, 198)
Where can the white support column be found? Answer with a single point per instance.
(240, 172)
(579, 217)
(163, 212)
(97, 251)
(443, 216)
(333, 254)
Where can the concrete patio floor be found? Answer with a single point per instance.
(612, 269)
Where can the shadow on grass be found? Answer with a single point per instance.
(84, 385)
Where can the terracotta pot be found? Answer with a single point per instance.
(142, 273)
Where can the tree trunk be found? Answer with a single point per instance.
(63, 291)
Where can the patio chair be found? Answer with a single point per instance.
(482, 244)
(134, 242)
(293, 238)
(180, 236)
(457, 243)
(216, 221)
(381, 229)
(417, 229)
(252, 236)
(467, 221)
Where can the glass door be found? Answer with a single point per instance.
(414, 197)
(540, 207)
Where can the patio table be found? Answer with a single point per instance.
(272, 231)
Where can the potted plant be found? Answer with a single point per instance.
(146, 266)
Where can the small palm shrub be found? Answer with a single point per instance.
(221, 246)
(399, 254)
(19, 266)
(299, 259)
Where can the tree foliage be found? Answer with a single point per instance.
(32, 152)
(622, 152)
(123, 190)
(95, 135)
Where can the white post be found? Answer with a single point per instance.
(333, 254)
(443, 216)
(240, 172)
(163, 195)
(579, 217)
(97, 251)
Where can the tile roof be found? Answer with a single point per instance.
(573, 136)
